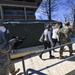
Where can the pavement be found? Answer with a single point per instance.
(47, 66)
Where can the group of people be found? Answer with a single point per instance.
(50, 38)
(61, 35)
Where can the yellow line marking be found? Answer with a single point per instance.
(13, 56)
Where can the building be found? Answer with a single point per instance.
(18, 9)
(20, 18)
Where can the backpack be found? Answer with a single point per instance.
(62, 35)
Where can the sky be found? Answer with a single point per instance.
(39, 12)
(61, 11)
(59, 14)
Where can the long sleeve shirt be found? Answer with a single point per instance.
(55, 35)
(47, 35)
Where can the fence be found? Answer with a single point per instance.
(44, 51)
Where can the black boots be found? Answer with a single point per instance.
(51, 56)
(40, 56)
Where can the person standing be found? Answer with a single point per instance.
(55, 37)
(5, 48)
(47, 40)
(12, 70)
(4, 58)
(64, 37)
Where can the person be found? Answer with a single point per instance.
(55, 37)
(4, 62)
(12, 70)
(4, 52)
(47, 40)
(64, 37)
(11, 41)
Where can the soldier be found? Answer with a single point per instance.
(5, 65)
(11, 64)
(4, 57)
(64, 37)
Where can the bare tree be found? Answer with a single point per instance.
(53, 6)
(71, 5)
(64, 18)
(49, 6)
(67, 17)
(69, 14)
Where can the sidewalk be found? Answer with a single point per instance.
(22, 52)
(43, 67)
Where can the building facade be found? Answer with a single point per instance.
(18, 9)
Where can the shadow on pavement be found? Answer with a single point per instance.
(35, 72)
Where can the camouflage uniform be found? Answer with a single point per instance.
(4, 62)
(11, 64)
(4, 56)
(11, 67)
(64, 37)
(6, 65)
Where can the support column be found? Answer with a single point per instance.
(49, 9)
(25, 13)
(1, 12)
(74, 18)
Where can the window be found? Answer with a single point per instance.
(30, 11)
(29, 0)
(13, 12)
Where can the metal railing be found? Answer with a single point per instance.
(44, 51)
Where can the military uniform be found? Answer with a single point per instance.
(4, 62)
(6, 65)
(64, 37)
(11, 64)
(4, 56)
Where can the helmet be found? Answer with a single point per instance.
(67, 23)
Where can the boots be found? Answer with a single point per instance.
(61, 57)
(51, 56)
(40, 56)
(71, 54)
